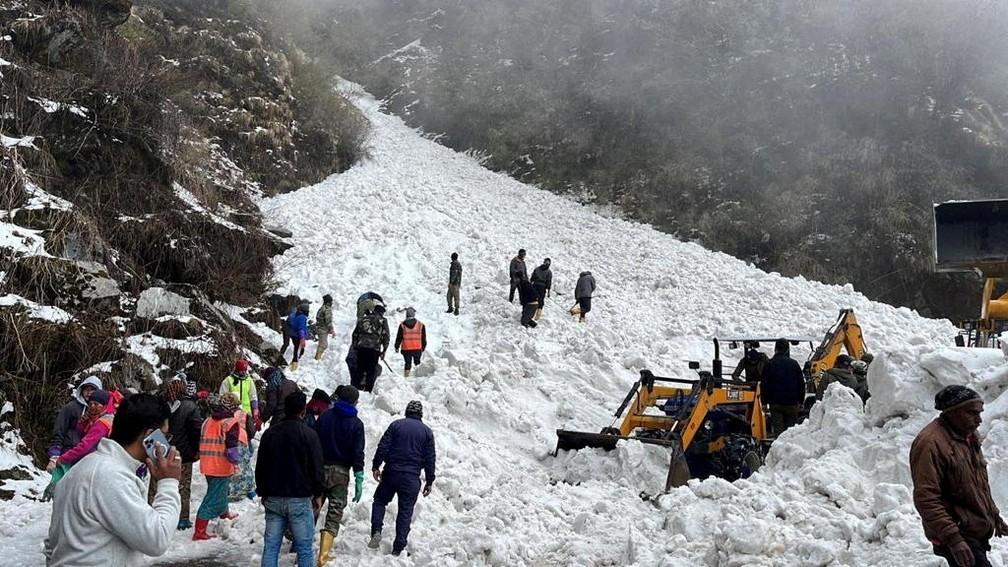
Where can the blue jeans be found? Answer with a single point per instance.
(405, 486)
(295, 513)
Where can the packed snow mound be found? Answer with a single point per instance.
(834, 492)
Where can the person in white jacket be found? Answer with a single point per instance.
(100, 513)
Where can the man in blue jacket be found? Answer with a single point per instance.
(295, 330)
(783, 388)
(342, 435)
(405, 448)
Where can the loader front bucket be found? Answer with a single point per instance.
(972, 235)
(574, 440)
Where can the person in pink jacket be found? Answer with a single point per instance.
(94, 425)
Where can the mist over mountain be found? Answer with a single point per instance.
(806, 137)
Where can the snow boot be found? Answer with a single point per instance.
(325, 546)
(406, 372)
(228, 516)
(201, 530)
(184, 524)
(375, 540)
(456, 310)
(449, 310)
(293, 366)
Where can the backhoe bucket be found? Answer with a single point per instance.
(972, 235)
(678, 471)
(574, 440)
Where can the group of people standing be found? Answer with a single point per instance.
(104, 512)
(533, 291)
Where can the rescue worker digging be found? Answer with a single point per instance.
(411, 338)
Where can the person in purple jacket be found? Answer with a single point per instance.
(406, 447)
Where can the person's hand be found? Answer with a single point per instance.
(962, 554)
(427, 488)
(376, 474)
(383, 355)
(358, 486)
(51, 465)
(302, 342)
(316, 503)
(168, 466)
(257, 418)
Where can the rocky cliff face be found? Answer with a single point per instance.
(134, 141)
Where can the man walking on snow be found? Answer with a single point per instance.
(100, 513)
(583, 291)
(295, 330)
(289, 477)
(517, 273)
(341, 433)
(371, 340)
(324, 326)
(406, 447)
(952, 493)
(412, 338)
(454, 284)
(542, 281)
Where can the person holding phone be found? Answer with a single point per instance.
(100, 510)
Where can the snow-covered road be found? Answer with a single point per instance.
(835, 492)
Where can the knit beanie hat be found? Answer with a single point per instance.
(190, 388)
(414, 408)
(410, 313)
(175, 390)
(228, 401)
(100, 396)
(949, 398)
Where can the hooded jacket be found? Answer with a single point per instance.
(542, 277)
(100, 514)
(65, 433)
(951, 491)
(455, 273)
(185, 425)
(342, 435)
(296, 324)
(406, 447)
(585, 285)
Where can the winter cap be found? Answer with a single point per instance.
(379, 307)
(347, 393)
(859, 366)
(92, 381)
(521, 253)
(410, 313)
(303, 307)
(241, 366)
(100, 396)
(190, 388)
(454, 256)
(227, 400)
(327, 299)
(842, 361)
(868, 357)
(320, 395)
(414, 408)
(546, 262)
(951, 397)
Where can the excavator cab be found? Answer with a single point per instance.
(972, 236)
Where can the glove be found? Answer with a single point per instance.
(257, 418)
(233, 456)
(358, 489)
(203, 394)
(47, 494)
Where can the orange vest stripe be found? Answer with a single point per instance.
(412, 339)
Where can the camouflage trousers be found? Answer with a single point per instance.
(337, 481)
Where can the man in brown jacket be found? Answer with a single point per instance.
(951, 490)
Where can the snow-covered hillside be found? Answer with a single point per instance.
(835, 491)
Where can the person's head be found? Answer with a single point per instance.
(960, 407)
(88, 386)
(226, 402)
(454, 256)
(753, 354)
(97, 402)
(843, 361)
(347, 393)
(521, 253)
(137, 416)
(241, 367)
(379, 308)
(414, 409)
(303, 307)
(320, 395)
(295, 404)
(781, 346)
(410, 313)
(546, 262)
(867, 357)
(327, 299)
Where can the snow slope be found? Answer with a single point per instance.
(834, 493)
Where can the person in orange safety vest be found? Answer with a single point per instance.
(411, 340)
(221, 436)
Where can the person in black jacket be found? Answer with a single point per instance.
(530, 302)
(290, 479)
(783, 388)
(185, 426)
(406, 447)
(342, 435)
(278, 387)
(542, 281)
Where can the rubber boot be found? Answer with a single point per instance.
(201, 530)
(293, 366)
(406, 372)
(325, 546)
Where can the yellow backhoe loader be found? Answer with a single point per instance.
(972, 236)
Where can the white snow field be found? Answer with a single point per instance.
(836, 489)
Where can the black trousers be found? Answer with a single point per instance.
(298, 349)
(367, 368)
(411, 357)
(585, 303)
(979, 549)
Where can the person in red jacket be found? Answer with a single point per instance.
(412, 339)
